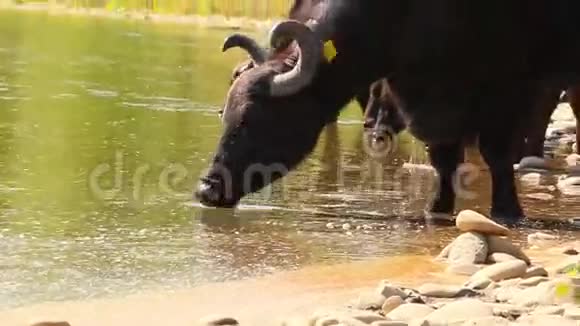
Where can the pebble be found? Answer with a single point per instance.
(503, 271)
(461, 310)
(503, 245)
(534, 271)
(471, 221)
(570, 251)
(533, 281)
(217, 320)
(499, 257)
(573, 313)
(330, 225)
(410, 311)
(443, 291)
(469, 248)
(464, 269)
(549, 310)
(51, 323)
(547, 320)
(346, 226)
(575, 147)
(392, 303)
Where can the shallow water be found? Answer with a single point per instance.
(105, 127)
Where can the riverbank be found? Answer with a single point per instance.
(504, 289)
(210, 21)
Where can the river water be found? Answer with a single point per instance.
(105, 126)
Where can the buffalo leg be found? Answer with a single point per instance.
(537, 122)
(574, 98)
(498, 155)
(445, 158)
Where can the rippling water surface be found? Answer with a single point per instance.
(106, 125)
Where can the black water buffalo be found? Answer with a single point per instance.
(459, 69)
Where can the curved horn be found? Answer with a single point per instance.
(310, 48)
(257, 53)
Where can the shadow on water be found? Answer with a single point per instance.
(105, 127)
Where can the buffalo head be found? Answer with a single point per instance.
(270, 116)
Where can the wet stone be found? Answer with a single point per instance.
(542, 294)
(532, 163)
(541, 196)
(471, 221)
(503, 245)
(468, 248)
(503, 271)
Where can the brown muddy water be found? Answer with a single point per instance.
(105, 127)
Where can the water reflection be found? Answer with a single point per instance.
(143, 110)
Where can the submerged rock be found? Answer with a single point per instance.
(468, 248)
(471, 221)
(541, 196)
(573, 162)
(503, 245)
(503, 271)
